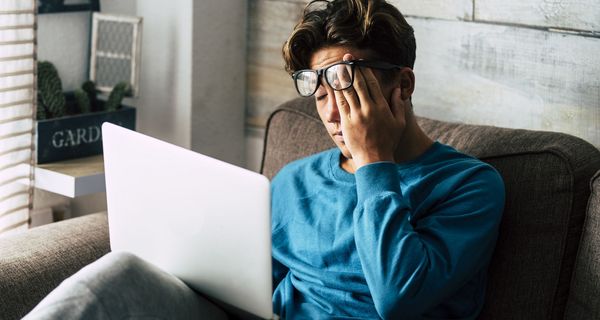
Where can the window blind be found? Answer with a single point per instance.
(17, 106)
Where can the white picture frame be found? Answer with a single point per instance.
(133, 57)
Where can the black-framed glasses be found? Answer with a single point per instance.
(339, 76)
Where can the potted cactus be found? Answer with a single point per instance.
(68, 124)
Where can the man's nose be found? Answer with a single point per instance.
(332, 113)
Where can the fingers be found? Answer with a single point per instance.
(361, 88)
(344, 74)
(348, 97)
(347, 102)
(366, 78)
(365, 93)
(367, 88)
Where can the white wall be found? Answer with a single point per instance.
(193, 75)
(118, 6)
(164, 106)
(219, 79)
(63, 39)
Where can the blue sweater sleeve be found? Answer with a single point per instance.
(412, 265)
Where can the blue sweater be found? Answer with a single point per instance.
(392, 241)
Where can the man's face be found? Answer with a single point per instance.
(325, 97)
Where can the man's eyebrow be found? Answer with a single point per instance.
(325, 66)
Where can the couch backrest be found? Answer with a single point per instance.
(294, 131)
(546, 176)
(584, 299)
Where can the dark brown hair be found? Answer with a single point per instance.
(363, 24)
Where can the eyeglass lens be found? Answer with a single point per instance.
(338, 76)
(306, 82)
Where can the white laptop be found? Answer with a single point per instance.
(203, 220)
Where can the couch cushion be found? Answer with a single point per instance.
(546, 176)
(33, 263)
(584, 298)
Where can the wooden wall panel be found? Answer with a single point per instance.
(272, 21)
(441, 9)
(565, 14)
(466, 71)
(270, 24)
(508, 76)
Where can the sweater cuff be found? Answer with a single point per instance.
(377, 178)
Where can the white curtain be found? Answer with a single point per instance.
(17, 106)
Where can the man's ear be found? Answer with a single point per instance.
(407, 82)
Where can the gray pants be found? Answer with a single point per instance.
(123, 286)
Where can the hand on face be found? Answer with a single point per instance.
(370, 126)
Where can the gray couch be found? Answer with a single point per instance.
(546, 264)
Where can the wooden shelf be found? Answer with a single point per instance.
(72, 178)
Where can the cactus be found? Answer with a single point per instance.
(83, 101)
(90, 88)
(51, 96)
(40, 111)
(116, 96)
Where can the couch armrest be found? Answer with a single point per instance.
(33, 263)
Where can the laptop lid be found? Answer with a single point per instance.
(203, 220)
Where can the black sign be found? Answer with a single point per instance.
(79, 135)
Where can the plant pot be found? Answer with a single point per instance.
(77, 136)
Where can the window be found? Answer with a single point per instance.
(17, 105)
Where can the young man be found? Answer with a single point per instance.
(387, 225)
